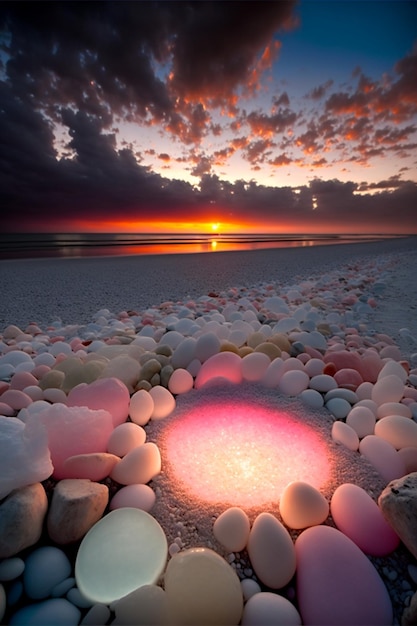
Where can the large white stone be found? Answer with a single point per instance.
(398, 430)
(122, 552)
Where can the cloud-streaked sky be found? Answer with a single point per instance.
(263, 116)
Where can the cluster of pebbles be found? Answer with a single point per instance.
(83, 403)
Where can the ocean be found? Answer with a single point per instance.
(81, 245)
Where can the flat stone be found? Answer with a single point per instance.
(398, 503)
(21, 519)
(77, 504)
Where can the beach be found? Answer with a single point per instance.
(309, 305)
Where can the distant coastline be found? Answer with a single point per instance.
(82, 245)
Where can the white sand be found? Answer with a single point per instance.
(42, 290)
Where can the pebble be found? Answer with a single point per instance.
(45, 568)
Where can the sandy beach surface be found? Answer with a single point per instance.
(74, 290)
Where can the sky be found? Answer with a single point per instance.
(240, 116)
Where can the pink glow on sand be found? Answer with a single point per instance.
(242, 454)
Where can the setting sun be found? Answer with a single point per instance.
(215, 227)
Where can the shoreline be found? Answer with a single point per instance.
(74, 289)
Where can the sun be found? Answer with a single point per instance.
(215, 227)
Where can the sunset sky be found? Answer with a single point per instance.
(160, 116)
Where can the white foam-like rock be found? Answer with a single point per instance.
(222, 365)
(139, 465)
(122, 552)
(141, 407)
(181, 381)
(389, 388)
(45, 568)
(125, 437)
(271, 551)
(24, 455)
(163, 402)
(202, 588)
(270, 608)
(52, 611)
(231, 529)
(135, 496)
(254, 366)
(293, 382)
(344, 434)
(72, 431)
(384, 457)
(362, 420)
(302, 505)
(399, 431)
(104, 393)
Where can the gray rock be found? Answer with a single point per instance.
(398, 503)
(22, 515)
(77, 504)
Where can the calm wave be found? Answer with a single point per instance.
(24, 246)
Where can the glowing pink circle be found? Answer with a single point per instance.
(243, 455)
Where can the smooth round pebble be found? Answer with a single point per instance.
(125, 437)
(336, 582)
(231, 529)
(312, 398)
(139, 465)
(293, 382)
(135, 496)
(254, 366)
(202, 589)
(98, 614)
(45, 568)
(339, 407)
(181, 381)
(146, 606)
(11, 568)
(47, 613)
(141, 407)
(384, 457)
(302, 505)
(323, 383)
(359, 517)
(226, 365)
(249, 588)
(362, 420)
(389, 388)
(270, 609)
(125, 550)
(163, 400)
(399, 431)
(344, 434)
(271, 551)
(393, 408)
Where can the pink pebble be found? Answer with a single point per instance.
(16, 399)
(136, 496)
(336, 582)
(94, 466)
(222, 365)
(40, 370)
(343, 359)
(383, 456)
(6, 410)
(23, 379)
(359, 517)
(348, 378)
(409, 456)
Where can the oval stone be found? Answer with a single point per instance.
(344, 434)
(139, 466)
(359, 517)
(270, 608)
(399, 431)
(202, 588)
(122, 552)
(231, 529)
(302, 505)
(271, 551)
(389, 388)
(384, 457)
(362, 420)
(336, 582)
